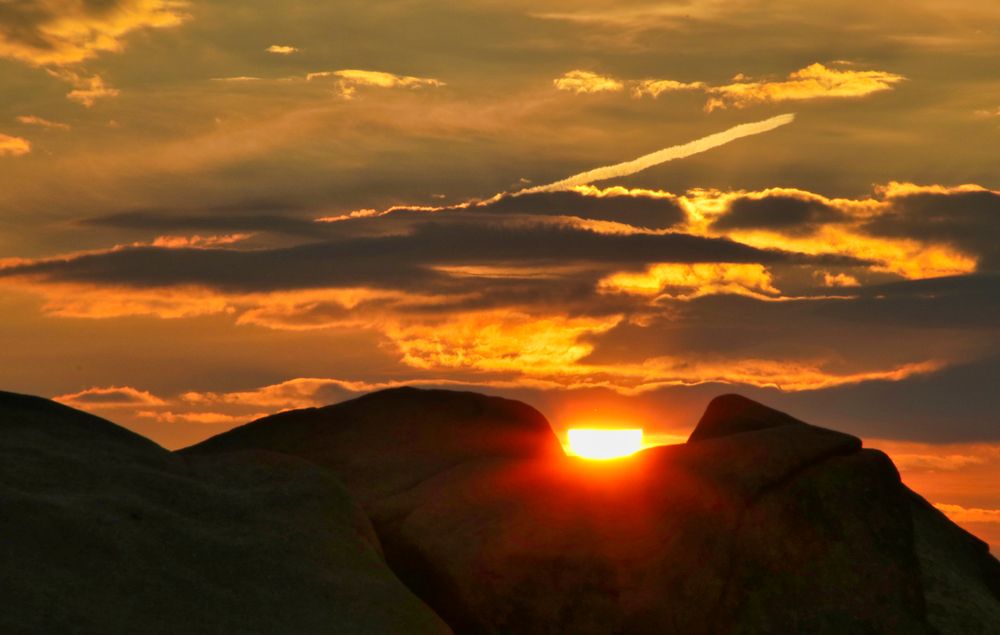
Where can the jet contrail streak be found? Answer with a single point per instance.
(664, 155)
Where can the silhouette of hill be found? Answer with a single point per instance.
(103, 531)
(759, 524)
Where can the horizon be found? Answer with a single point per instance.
(614, 213)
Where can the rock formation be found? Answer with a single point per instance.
(103, 531)
(759, 524)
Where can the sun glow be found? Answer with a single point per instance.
(596, 443)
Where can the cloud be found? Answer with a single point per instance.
(581, 288)
(362, 260)
(87, 90)
(586, 82)
(280, 49)
(237, 79)
(618, 208)
(655, 87)
(782, 212)
(244, 218)
(206, 418)
(688, 281)
(61, 32)
(667, 154)
(349, 80)
(812, 82)
(13, 146)
(961, 515)
(110, 397)
(967, 217)
(32, 120)
(815, 81)
(841, 280)
(866, 228)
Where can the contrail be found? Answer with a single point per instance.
(664, 155)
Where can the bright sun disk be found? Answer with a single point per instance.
(596, 443)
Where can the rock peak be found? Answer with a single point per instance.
(731, 414)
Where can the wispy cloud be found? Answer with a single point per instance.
(281, 49)
(110, 397)
(350, 80)
(86, 90)
(32, 120)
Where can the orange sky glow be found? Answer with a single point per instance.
(212, 212)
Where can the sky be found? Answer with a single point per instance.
(212, 211)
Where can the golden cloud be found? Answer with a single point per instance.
(812, 82)
(61, 32)
(689, 281)
(13, 146)
(280, 49)
(586, 82)
(87, 90)
(655, 87)
(837, 279)
(815, 81)
(498, 341)
(349, 80)
(32, 120)
(906, 257)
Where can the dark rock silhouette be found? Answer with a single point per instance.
(103, 531)
(759, 524)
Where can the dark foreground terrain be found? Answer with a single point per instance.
(413, 511)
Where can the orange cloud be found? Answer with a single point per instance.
(909, 258)
(962, 515)
(207, 418)
(586, 82)
(32, 120)
(812, 82)
(498, 341)
(13, 146)
(688, 281)
(837, 279)
(61, 32)
(197, 241)
(110, 397)
(279, 49)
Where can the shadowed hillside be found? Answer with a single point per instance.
(102, 531)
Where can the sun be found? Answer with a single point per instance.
(602, 444)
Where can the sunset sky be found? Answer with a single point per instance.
(215, 210)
